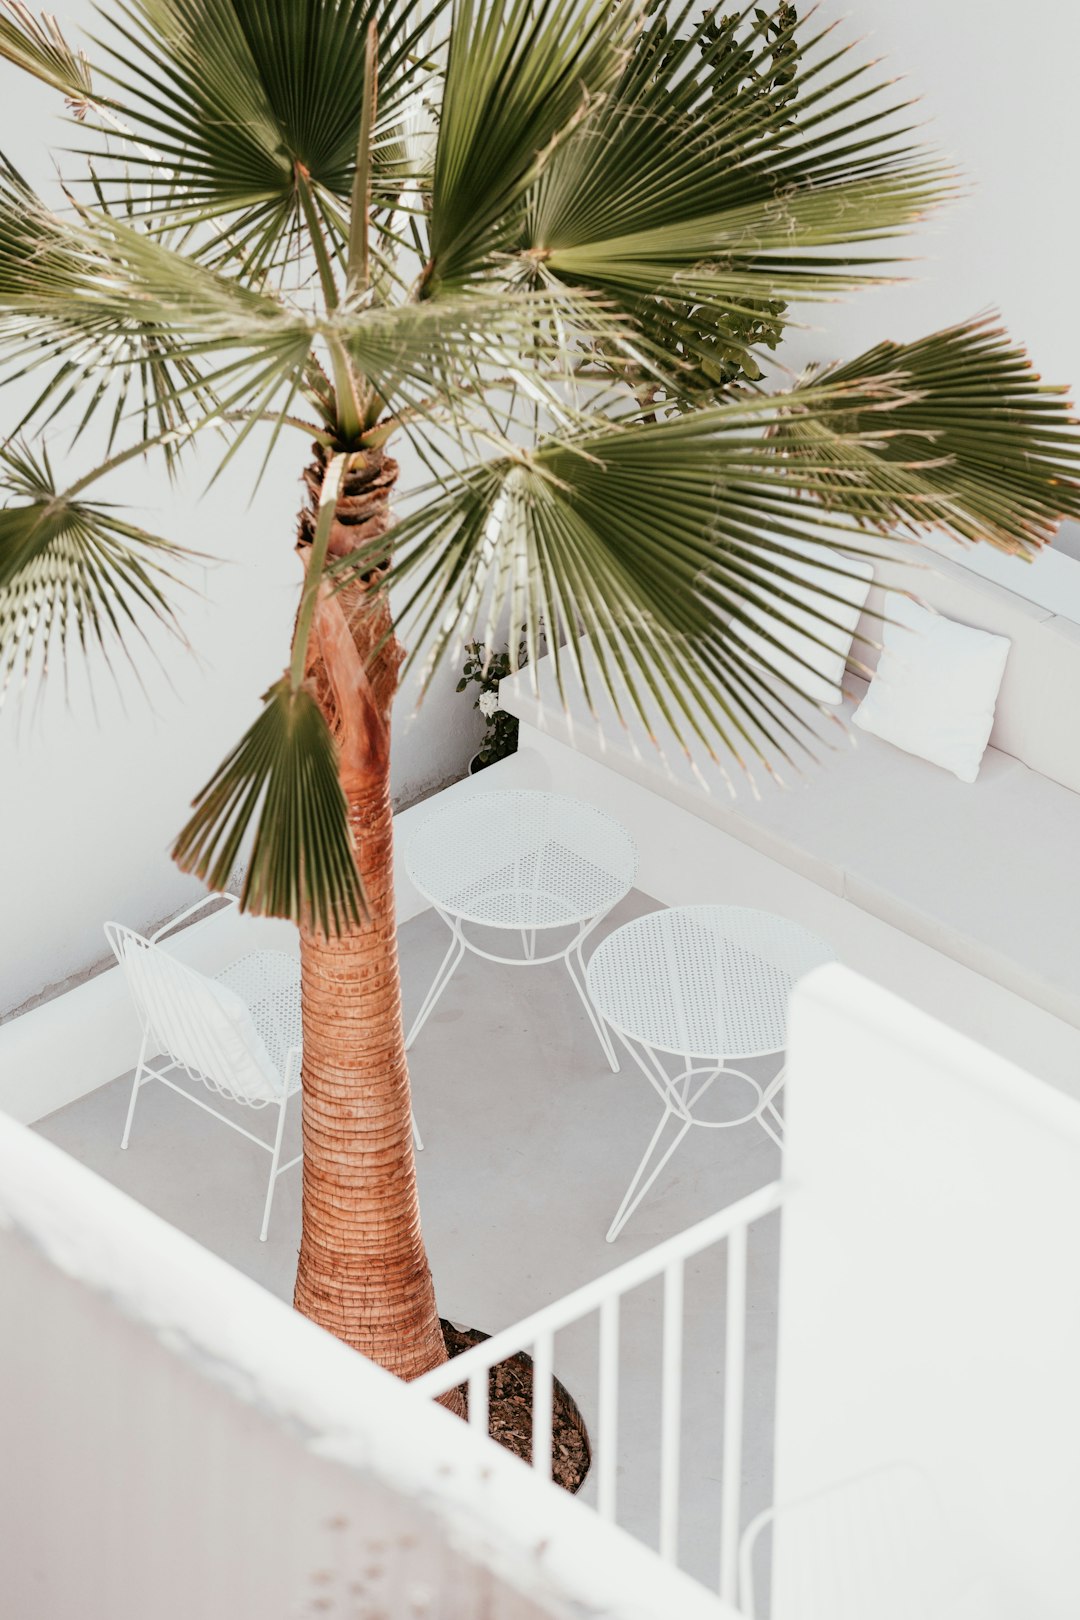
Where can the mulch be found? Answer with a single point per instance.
(510, 1412)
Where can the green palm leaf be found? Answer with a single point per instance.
(103, 299)
(237, 98)
(42, 51)
(521, 74)
(647, 539)
(652, 538)
(684, 182)
(975, 444)
(71, 571)
(432, 358)
(283, 777)
(40, 48)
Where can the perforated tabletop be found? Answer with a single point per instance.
(516, 858)
(704, 981)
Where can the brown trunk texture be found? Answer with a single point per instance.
(363, 1272)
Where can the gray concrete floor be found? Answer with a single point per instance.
(530, 1142)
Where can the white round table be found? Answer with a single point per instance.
(710, 986)
(524, 862)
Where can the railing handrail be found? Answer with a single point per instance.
(590, 1296)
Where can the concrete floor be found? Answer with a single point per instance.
(530, 1142)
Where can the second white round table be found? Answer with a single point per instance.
(523, 862)
(710, 986)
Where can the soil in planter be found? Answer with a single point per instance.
(510, 1387)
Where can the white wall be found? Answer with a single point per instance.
(929, 1313)
(90, 802)
(998, 84)
(178, 1442)
(92, 791)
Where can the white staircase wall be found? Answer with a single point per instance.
(930, 1302)
(176, 1442)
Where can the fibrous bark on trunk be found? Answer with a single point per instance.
(363, 1272)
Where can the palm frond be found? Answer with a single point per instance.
(649, 539)
(71, 570)
(972, 442)
(654, 539)
(99, 299)
(40, 48)
(690, 180)
(431, 357)
(521, 74)
(236, 98)
(281, 779)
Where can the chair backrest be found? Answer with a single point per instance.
(880, 1546)
(201, 1025)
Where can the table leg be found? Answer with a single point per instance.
(775, 1127)
(580, 985)
(668, 1091)
(639, 1187)
(442, 979)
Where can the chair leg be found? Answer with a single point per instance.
(274, 1167)
(139, 1077)
(417, 1139)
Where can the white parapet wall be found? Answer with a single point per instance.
(929, 1313)
(177, 1442)
(89, 1035)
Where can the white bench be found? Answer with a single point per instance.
(988, 873)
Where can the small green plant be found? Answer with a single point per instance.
(486, 670)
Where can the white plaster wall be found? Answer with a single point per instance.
(998, 85)
(94, 789)
(929, 1317)
(90, 801)
(178, 1442)
(998, 88)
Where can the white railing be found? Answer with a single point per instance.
(535, 1335)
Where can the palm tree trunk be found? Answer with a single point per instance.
(363, 1272)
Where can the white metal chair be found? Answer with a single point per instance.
(238, 1033)
(880, 1544)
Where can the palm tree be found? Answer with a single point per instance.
(550, 244)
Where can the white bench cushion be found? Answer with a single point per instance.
(985, 873)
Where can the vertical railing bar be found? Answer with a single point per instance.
(671, 1411)
(478, 1399)
(543, 1375)
(607, 1428)
(734, 1368)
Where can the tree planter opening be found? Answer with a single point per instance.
(510, 1386)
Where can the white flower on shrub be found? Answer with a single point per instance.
(489, 702)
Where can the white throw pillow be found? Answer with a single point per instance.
(845, 577)
(935, 688)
